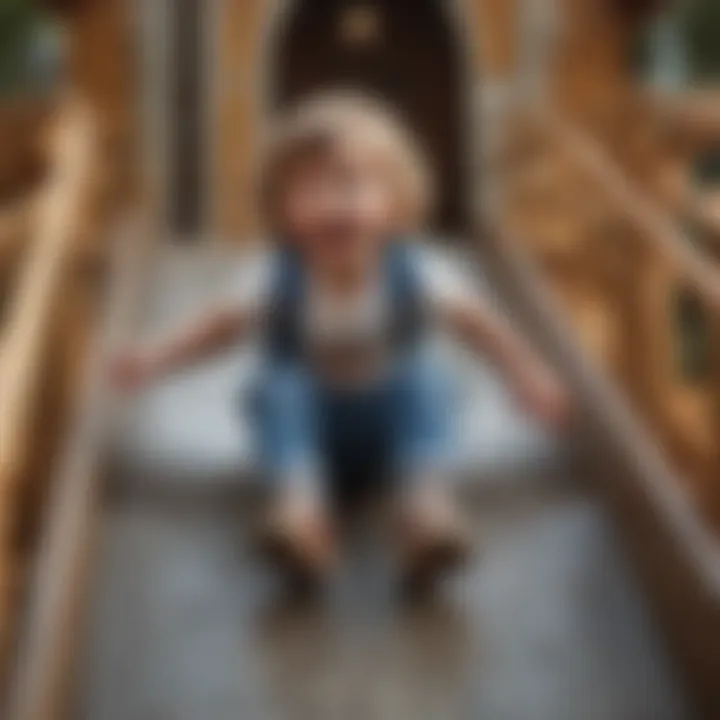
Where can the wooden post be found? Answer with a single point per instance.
(711, 481)
(90, 172)
(591, 78)
(498, 37)
(25, 343)
(241, 74)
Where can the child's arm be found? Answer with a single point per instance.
(486, 333)
(206, 336)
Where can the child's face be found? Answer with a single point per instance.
(338, 203)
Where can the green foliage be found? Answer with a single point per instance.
(706, 169)
(682, 45)
(20, 22)
(702, 29)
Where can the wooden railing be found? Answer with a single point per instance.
(42, 338)
(23, 160)
(24, 123)
(693, 115)
(53, 270)
(619, 260)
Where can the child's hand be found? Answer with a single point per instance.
(133, 371)
(545, 396)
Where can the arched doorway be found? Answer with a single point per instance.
(402, 50)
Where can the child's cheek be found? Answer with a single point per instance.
(300, 214)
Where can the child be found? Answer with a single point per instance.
(350, 395)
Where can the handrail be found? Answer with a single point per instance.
(23, 125)
(694, 113)
(655, 225)
(48, 638)
(605, 402)
(703, 209)
(14, 227)
(644, 344)
(63, 206)
(678, 557)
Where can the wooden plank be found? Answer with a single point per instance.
(14, 228)
(590, 74)
(498, 36)
(711, 494)
(89, 169)
(658, 229)
(23, 151)
(31, 315)
(244, 30)
(692, 118)
(661, 259)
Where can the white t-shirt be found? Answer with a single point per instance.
(348, 340)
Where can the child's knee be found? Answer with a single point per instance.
(424, 416)
(286, 420)
(286, 391)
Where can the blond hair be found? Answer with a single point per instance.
(318, 125)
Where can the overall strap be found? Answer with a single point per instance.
(284, 322)
(288, 296)
(406, 294)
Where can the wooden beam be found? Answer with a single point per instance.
(243, 29)
(498, 25)
(656, 228)
(23, 150)
(30, 318)
(691, 117)
(53, 625)
(15, 222)
(590, 75)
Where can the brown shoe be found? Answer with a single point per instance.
(297, 538)
(434, 538)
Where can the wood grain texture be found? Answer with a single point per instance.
(674, 551)
(23, 151)
(49, 313)
(44, 671)
(242, 62)
(30, 321)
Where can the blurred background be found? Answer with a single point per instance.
(576, 147)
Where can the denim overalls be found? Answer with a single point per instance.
(356, 439)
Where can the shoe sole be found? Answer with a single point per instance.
(433, 565)
(280, 552)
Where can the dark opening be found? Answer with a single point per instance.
(693, 335)
(186, 103)
(403, 51)
(706, 169)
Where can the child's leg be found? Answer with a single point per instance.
(433, 534)
(422, 420)
(287, 430)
